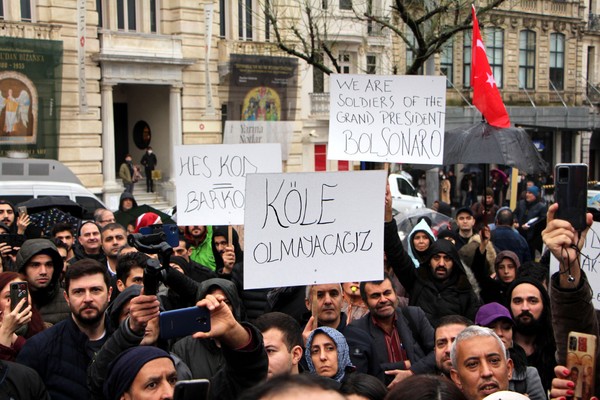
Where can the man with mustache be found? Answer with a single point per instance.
(440, 285)
(41, 263)
(480, 366)
(530, 309)
(390, 342)
(445, 334)
(62, 353)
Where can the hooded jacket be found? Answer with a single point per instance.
(416, 256)
(125, 196)
(49, 301)
(455, 295)
(203, 356)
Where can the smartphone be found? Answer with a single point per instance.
(194, 389)
(170, 230)
(581, 361)
(22, 210)
(18, 291)
(12, 239)
(184, 322)
(571, 193)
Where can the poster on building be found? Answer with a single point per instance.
(387, 118)
(30, 83)
(260, 132)
(264, 89)
(313, 227)
(590, 261)
(211, 179)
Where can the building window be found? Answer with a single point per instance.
(467, 59)
(126, 17)
(267, 22)
(410, 56)
(222, 18)
(447, 61)
(371, 64)
(344, 63)
(324, 4)
(345, 4)
(557, 60)
(527, 59)
(26, 10)
(320, 157)
(153, 16)
(245, 19)
(99, 10)
(2, 9)
(494, 46)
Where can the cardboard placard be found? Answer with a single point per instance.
(387, 118)
(211, 179)
(312, 228)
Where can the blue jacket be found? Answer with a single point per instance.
(61, 356)
(507, 238)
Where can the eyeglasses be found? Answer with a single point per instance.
(106, 221)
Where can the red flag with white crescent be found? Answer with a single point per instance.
(486, 96)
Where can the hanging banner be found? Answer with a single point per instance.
(30, 84)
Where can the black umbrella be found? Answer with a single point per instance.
(125, 217)
(46, 219)
(484, 144)
(46, 203)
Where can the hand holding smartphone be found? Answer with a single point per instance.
(184, 322)
(571, 193)
(18, 291)
(581, 362)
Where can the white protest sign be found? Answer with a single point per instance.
(387, 118)
(590, 263)
(260, 132)
(211, 179)
(309, 228)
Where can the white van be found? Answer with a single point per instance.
(23, 179)
(404, 195)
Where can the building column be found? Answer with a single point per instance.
(175, 138)
(112, 190)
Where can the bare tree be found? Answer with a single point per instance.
(307, 29)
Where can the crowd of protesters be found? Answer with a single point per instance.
(459, 314)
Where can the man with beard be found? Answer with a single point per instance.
(200, 237)
(40, 262)
(530, 309)
(63, 231)
(440, 285)
(62, 354)
(445, 334)
(16, 223)
(390, 342)
(480, 366)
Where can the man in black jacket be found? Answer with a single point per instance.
(390, 343)
(149, 161)
(440, 285)
(61, 354)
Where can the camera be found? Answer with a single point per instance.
(154, 271)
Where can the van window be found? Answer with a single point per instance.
(89, 205)
(405, 187)
(15, 199)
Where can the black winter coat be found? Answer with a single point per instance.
(455, 296)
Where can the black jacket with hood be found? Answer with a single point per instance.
(49, 301)
(455, 295)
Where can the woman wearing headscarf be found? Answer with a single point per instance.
(327, 354)
(419, 240)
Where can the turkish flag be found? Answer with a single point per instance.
(486, 96)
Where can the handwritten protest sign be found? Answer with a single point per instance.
(260, 132)
(307, 228)
(387, 118)
(590, 263)
(211, 179)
